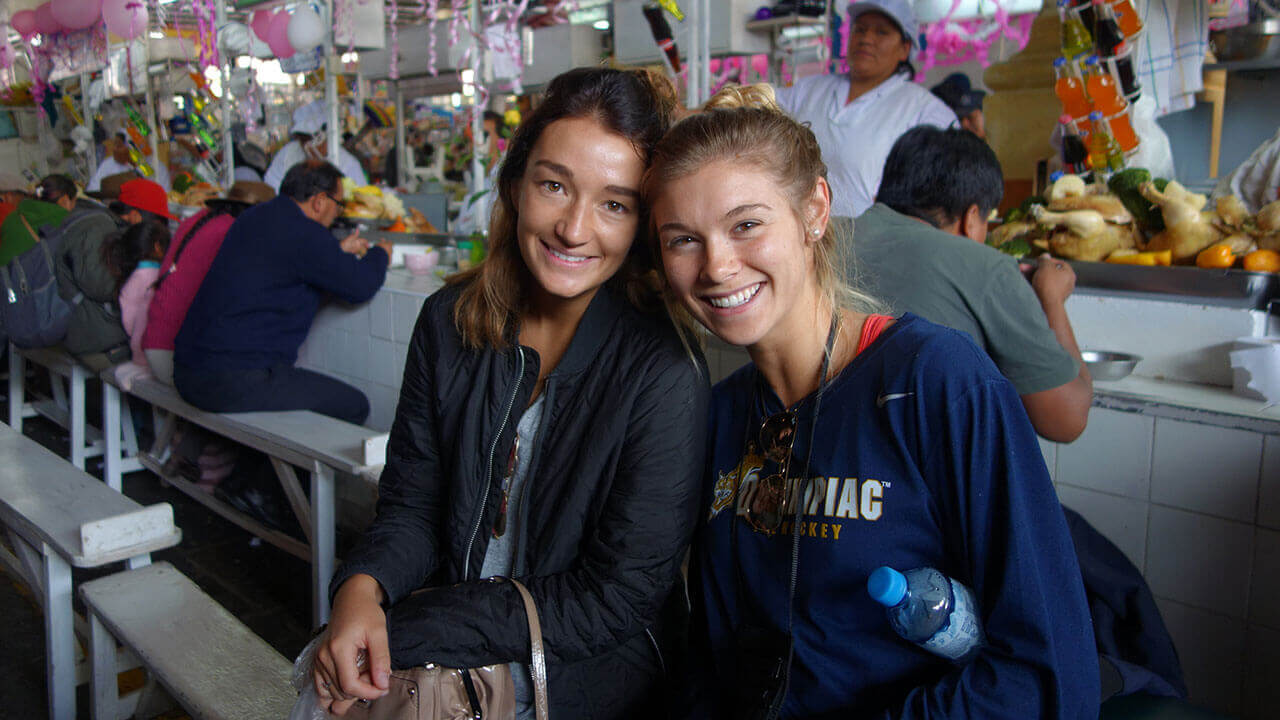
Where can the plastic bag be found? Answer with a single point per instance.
(308, 705)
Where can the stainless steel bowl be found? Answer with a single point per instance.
(1254, 41)
(1105, 365)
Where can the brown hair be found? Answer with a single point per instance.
(746, 125)
(638, 105)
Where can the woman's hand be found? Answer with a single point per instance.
(354, 661)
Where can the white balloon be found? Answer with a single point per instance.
(234, 38)
(306, 29)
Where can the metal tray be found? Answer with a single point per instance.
(1232, 288)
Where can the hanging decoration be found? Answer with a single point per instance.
(278, 36)
(951, 42)
(125, 18)
(24, 22)
(46, 23)
(206, 37)
(394, 70)
(305, 29)
(260, 22)
(76, 14)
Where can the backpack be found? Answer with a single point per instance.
(33, 313)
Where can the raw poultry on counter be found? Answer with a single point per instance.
(1134, 219)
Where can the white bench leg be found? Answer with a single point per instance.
(78, 444)
(323, 545)
(102, 685)
(60, 641)
(17, 387)
(112, 435)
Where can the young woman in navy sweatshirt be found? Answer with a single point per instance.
(849, 442)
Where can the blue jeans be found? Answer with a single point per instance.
(282, 387)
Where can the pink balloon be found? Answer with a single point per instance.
(77, 14)
(278, 36)
(125, 18)
(24, 21)
(46, 23)
(261, 24)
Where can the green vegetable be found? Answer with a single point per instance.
(1125, 185)
(1015, 215)
(1016, 247)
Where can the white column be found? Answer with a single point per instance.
(401, 151)
(87, 112)
(224, 108)
(332, 64)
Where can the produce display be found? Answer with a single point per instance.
(1134, 219)
(369, 202)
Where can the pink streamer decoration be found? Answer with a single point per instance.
(433, 8)
(949, 42)
(394, 70)
(206, 32)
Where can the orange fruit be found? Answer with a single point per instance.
(1216, 257)
(1262, 261)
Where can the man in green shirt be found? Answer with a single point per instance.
(920, 249)
(17, 232)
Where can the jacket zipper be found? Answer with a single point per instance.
(662, 664)
(488, 476)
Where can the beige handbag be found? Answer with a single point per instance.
(432, 692)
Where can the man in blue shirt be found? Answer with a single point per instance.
(238, 344)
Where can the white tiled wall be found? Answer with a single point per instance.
(366, 346)
(1197, 509)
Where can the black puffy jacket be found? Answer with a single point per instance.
(610, 503)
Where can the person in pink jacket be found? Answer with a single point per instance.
(133, 259)
(183, 268)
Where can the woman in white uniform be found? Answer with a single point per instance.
(858, 117)
(309, 121)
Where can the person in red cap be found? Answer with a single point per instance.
(95, 335)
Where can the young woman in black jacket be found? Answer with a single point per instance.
(550, 428)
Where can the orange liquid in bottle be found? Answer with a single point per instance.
(1102, 89)
(1070, 90)
(1127, 17)
(1122, 131)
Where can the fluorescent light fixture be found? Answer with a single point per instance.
(350, 57)
(155, 34)
(600, 24)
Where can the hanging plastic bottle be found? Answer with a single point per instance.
(201, 130)
(1123, 62)
(1070, 89)
(1102, 88)
(929, 609)
(72, 111)
(1084, 10)
(1076, 40)
(1127, 17)
(1104, 152)
(1075, 156)
(205, 110)
(143, 166)
(137, 121)
(138, 141)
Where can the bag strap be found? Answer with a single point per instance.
(539, 665)
(34, 235)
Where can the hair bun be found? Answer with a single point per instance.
(730, 97)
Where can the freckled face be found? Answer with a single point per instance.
(577, 207)
(734, 252)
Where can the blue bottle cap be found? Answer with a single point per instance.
(1055, 176)
(1060, 62)
(1091, 60)
(1095, 116)
(887, 586)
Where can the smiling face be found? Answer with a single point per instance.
(577, 208)
(736, 252)
(876, 46)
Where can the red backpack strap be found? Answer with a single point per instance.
(871, 329)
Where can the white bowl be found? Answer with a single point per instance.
(422, 263)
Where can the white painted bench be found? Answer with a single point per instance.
(67, 406)
(321, 445)
(206, 659)
(57, 517)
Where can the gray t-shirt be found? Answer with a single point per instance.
(953, 281)
(499, 558)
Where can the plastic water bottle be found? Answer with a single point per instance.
(928, 608)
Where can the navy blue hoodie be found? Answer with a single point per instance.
(922, 456)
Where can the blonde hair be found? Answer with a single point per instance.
(746, 125)
(636, 104)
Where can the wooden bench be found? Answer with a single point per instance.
(56, 518)
(67, 406)
(206, 659)
(321, 445)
